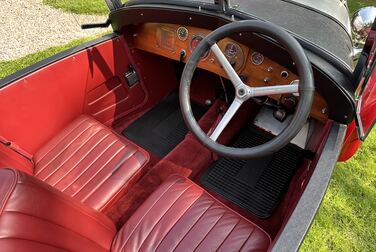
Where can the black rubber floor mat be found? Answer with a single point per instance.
(162, 128)
(256, 185)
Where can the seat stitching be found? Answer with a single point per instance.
(88, 167)
(106, 177)
(245, 241)
(33, 241)
(142, 218)
(60, 142)
(81, 159)
(142, 165)
(188, 208)
(62, 150)
(194, 224)
(54, 223)
(164, 214)
(9, 192)
(85, 210)
(228, 235)
(211, 229)
(71, 155)
(96, 173)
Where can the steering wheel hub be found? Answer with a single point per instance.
(305, 88)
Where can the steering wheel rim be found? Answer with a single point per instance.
(305, 88)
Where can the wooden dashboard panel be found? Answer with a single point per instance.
(256, 69)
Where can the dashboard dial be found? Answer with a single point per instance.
(234, 55)
(257, 58)
(194, 43)
(182, 33)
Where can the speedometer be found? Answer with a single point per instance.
(234, 55)
(194, 43)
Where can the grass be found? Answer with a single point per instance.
(346, 220)
(95, 7)
(12, 66)
(354, 5)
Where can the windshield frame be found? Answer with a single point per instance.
(217, 5)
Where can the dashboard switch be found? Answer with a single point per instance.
(131, 76)
(183, 54)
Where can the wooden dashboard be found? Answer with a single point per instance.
(174, 42)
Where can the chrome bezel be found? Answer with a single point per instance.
(185, 30)
(239, 52)
(202, 36)
(257, 63)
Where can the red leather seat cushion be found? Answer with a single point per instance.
(181, 216)
(89, 162)
(36, 217)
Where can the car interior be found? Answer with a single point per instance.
(96, 150)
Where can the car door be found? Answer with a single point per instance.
(365, 96)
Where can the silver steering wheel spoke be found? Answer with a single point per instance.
(226, 118)
(244, 92)
(273, 90)
(230, 71)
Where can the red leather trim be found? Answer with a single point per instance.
(11, 159)
(35, 108)
(109, 97)
(180, 215)
(89, 162)
(36, 217)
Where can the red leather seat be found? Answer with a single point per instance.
(181, 216)
(36, 217)
(178, 216)
(88, 162)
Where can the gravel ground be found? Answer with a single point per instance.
(28, 26)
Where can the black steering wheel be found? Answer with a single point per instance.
(305, 88)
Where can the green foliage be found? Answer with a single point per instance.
(12, 66)
(80, 6)
(354, 5)
(346, 220)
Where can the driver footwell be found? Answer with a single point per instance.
(256, 185)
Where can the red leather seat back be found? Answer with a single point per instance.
(37, 217)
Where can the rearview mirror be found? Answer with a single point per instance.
(361, 24)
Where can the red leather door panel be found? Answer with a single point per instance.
(34, 108)
(108, 95)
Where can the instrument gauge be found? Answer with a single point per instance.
(234, 55)
(194, 43)
(182, 33)
(257, 58)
